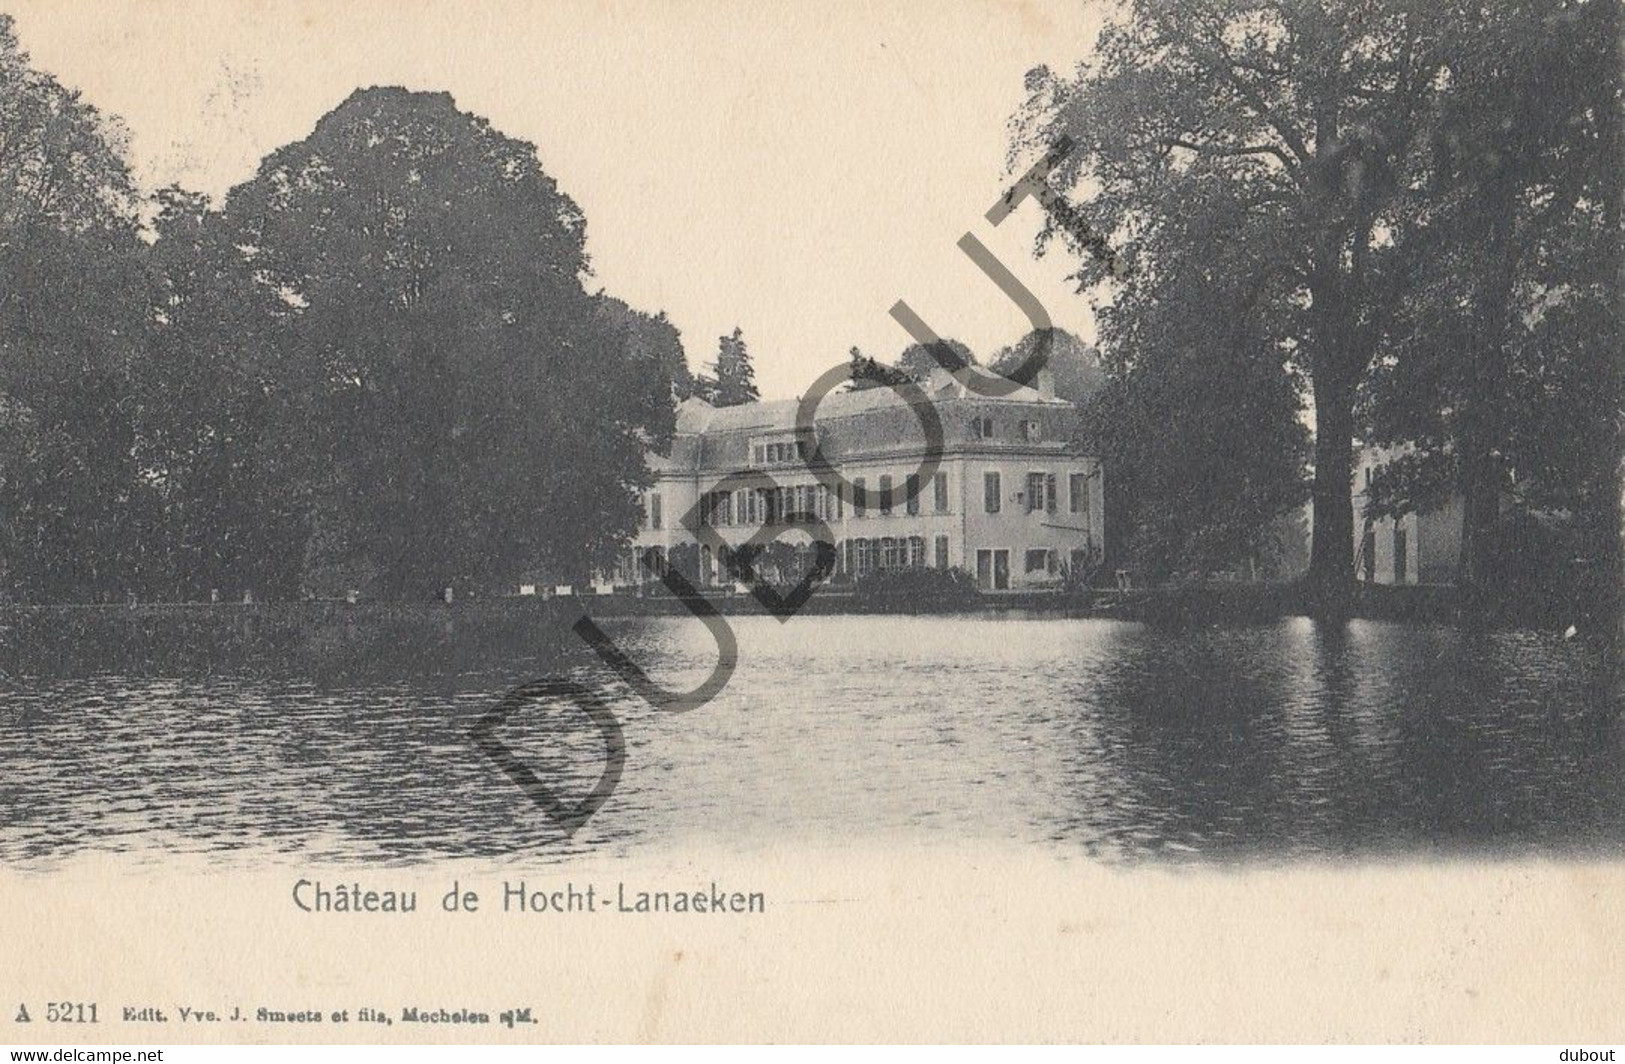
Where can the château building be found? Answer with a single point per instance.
(1010, 501)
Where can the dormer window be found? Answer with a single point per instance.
(779, 451)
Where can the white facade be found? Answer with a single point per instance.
(1415, 548)
(1008, 500)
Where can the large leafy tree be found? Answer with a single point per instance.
(1291, 130)
(71, 316)
(655, 347)
(1073, 364)
(916, 363)
(1198, 425)
(440, 327)
(223, 433)
(1501, 375)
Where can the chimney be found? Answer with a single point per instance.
(1044, 382)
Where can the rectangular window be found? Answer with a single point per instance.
(654, 509)
(860, 498)
(942, 552)
(941, 486)
(888, 553)
(1037, 561)
(1035, 492)
(1078, 492)
(913, 492)
(1049, 493)
(1401, 562)
(990, 492)
(885, 496)
(760, 454)
(1032, 431)
(1368, 556)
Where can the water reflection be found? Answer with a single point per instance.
(1125, 741)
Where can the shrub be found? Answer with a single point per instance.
(917, 588)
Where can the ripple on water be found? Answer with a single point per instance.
(1119, 740)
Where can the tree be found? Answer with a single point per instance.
(916, 363)
(1498, 374)
(733, 379)
(1291, 128)
(1198, 430)
(654, 348)
(443, 343)
(71, 317)
(1073, 364)
(223, 428)
(864, 372)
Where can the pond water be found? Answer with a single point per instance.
(1112, 739)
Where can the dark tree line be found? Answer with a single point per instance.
(364, 369)
(1405, 210)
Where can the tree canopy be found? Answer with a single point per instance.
(72, 505)
(732, 378)
(915, 363)
(1297, 170)
(1073, 364)
(363, 370)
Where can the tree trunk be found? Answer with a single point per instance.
(1481, 510)
(1331, 548)
(1602, 509)
(1336, 369)
(1482, 413)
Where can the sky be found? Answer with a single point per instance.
(790, 169)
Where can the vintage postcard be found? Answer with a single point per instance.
(981, 521)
